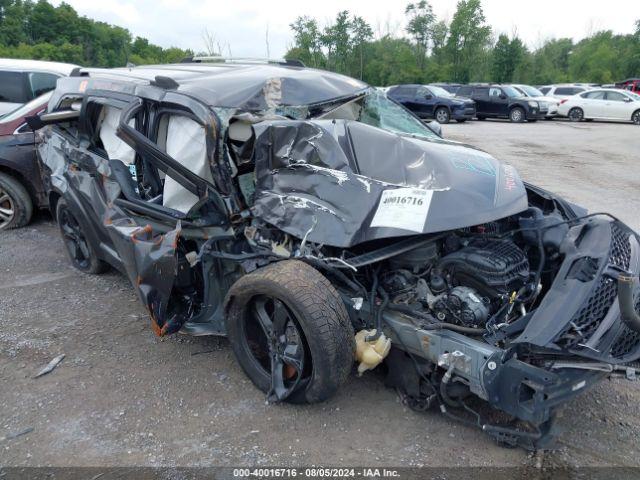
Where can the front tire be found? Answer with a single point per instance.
(442, 115)
(576, 114)
(517, 115)
(16, 207)
(290, 332)
(81, 253)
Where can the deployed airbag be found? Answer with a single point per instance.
(115, 147)
(186, 143)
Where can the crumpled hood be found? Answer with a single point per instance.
(342, 182)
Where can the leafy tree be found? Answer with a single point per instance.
(420, 27)
(307, 41)
(42, 31)
(507, 56)
(468, 41)
(362, 33)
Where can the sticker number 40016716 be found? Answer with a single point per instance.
(404, 208)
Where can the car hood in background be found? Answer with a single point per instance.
(341, 183)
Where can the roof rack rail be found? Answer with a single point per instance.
(221, 59)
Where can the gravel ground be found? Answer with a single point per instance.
(121, 396)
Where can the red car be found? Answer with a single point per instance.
(631, 84)
(21, 187)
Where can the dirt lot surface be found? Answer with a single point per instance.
(121, 396)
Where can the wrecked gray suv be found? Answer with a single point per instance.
(316, 223)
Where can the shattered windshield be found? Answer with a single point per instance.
(375, 109)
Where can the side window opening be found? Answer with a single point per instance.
(13, 88)
(41, 82)
(71, 128)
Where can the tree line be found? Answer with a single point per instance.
(38, 30)
(463, 50)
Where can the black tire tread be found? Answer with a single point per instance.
(96, 265)
(22, 201)
(326, 322)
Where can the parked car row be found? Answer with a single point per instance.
(517, 102)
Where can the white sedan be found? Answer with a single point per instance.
(602, 103)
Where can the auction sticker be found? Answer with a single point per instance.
(404, 208)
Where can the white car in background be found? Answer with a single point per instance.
(564, 90)
(602, 103)
(23, 80)
(532, 92)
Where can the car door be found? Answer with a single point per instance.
(425, 102)
(499, 102)
(592, 103)
(616, 106)
(406, 95)
(483, 104)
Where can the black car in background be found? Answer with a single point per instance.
(502, 101)
(21, 188)
(430, 101)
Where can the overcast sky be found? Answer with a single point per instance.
(242, 24)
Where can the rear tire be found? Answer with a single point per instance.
(81, 253)
(576, 114)
(16, 207)
(635, 117)
(517, 115)
(304, 314)
(480, 117)
(461, 120)
(442, 115)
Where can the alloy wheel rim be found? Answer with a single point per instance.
(441, 116)
(516, 115)
(74, 239)
(576, 114)
(636, 118)
(280, 351)
(7, 209)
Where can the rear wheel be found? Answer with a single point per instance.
(517, 115)
(576, 114)
(442, 115)
(16, 206)
(80, 251)
(635, 118)
(480, 117)
(290, 332)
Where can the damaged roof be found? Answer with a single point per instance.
(248, 86)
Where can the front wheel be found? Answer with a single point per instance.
(576, 114)
(16, 207)
(290, 332)
(517, 115)
(442, 115)
(635, 118)
(81, 253)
